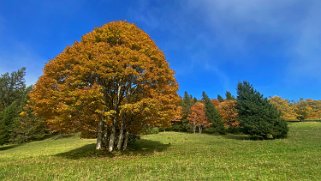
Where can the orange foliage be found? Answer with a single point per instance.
(197, 117)
(229, 113)
(215, 102)
(115, 74)
(178, 114)
(287, 110)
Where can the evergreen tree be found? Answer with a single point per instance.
(12, 88)
(257, 116)
(8, 117)
(13, 98)
(213, 115)
(229, 96)
(186, 103)
(220, 98)
(26, 126)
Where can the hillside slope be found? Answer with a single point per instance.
(170, 156)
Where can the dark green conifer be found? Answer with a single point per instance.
(213, 115)
(257, 116)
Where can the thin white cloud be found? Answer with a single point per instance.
(234, 24)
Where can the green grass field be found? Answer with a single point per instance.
(170, 156)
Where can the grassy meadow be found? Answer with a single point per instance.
(170, 156)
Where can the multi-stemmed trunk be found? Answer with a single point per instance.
(116, 134)
(200, 129)
(194, 128)
(126, 140)
(105, 136)
(99, 135)
(121, 134)
(112, 136)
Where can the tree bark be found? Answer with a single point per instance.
(99, 135)
(121, 135)
(105, 136)
(126, 140)
(194, 128)
(112, 137)
(200, 129)
(113, 129)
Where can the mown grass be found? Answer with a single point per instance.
(170, 156)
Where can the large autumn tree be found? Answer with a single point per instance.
(113, 83)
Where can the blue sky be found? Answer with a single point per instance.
(211, 44)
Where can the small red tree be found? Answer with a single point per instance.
(197, 117)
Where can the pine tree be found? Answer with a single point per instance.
(220, 98)
(26, 126)
(12, 89)
(213, 115)
(186, 102)
(257, 116)
(8, 117)
(229, 96)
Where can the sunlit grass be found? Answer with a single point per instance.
(170, 156)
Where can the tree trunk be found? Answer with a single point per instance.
(121, 135)
(99, 135)
(116, 117)
(126, 140)
(200, 129)
(194, 128)
(105, 136)
(112, 136)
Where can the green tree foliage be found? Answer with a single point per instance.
(27, 126)
(220, 98)
(229, 96)
(13, 98)
(12, 89)
(8, 117)
(213, 115)
(257, 116)
(186, 103)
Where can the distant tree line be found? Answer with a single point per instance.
(249, 113)
(304, 109)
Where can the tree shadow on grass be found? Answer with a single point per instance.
(7, 147)
(140, 147)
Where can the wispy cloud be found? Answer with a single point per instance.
(295, 23)
(238, 27)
